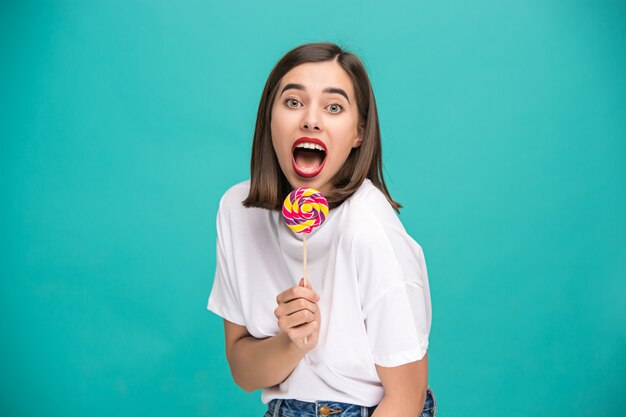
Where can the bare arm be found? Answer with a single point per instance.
(405, 389)
(261, 363)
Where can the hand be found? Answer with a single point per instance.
(298, 315)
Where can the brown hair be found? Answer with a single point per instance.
(268, 184)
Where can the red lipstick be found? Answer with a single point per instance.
(308, 140)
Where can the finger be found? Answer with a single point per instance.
(296, 292)
(299, 304)
(295, 306)
(297, 319)
(301, 332)
(307, 284)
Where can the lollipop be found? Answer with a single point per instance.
(303, 210)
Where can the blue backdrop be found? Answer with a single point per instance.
(123, 122)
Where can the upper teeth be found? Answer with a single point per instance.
(309, 145)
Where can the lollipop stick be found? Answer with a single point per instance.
(306, 339)
(305, 259)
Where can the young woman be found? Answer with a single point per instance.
(366, 314)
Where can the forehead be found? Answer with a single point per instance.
(315, 76)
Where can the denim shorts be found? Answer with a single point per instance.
(295, 408)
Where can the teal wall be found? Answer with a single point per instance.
(123, 122)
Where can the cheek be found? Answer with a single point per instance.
(343, 136)
(280, 138)
(281, 128)
(275, 126)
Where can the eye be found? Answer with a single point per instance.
(335, 108)
(292, 102)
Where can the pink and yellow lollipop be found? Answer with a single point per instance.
(303, 210)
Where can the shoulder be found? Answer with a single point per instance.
(231, 201)
(231, 209)
(370, 206)
(386, 255)
(235, 195)
(374, 222)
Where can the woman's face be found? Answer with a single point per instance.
(314, 124)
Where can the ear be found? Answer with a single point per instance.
(359, 138)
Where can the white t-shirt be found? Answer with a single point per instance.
(371, 277)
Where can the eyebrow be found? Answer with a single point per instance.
(331, 90)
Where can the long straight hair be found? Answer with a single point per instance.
(268, 184)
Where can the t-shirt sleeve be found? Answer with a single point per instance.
(224, 299)
(395, 297)
(396, 326)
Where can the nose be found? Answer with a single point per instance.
(311, 120)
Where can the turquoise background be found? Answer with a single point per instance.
(123, 122)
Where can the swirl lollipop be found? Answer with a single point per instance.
(303, 210)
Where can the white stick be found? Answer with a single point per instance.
(305, 259)
(306, 339)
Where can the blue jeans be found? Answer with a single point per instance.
(295, 408)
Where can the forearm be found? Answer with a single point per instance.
(400, 407)
(261, 363)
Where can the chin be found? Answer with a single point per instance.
(298, 182)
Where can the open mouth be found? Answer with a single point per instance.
(308, 157)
